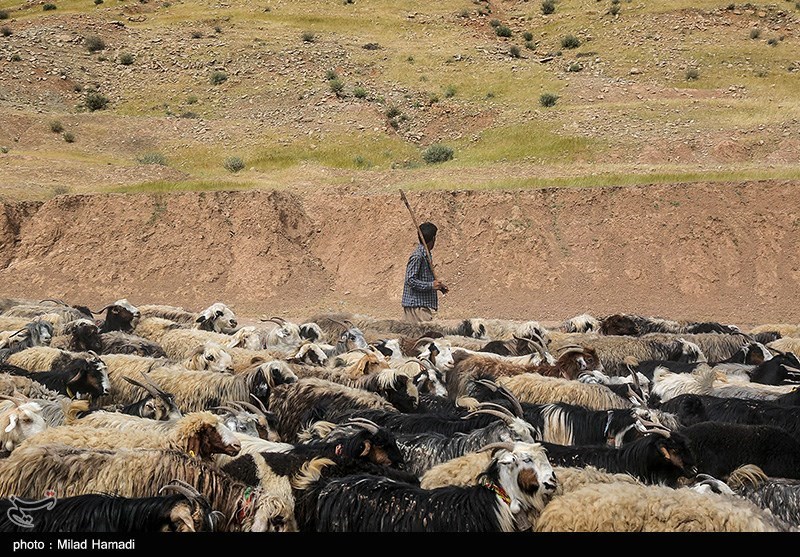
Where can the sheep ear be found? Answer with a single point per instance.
(200, 319)
(366, 449)
(193, 445)
(12, 423)
(669, 457)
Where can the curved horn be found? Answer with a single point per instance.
(567, 346)
(260, 404)
(423, 339)
(252, 408)
(228, 408)
(17, 332)
(513, 399)
(187, 489)
(499, 407)
(369, 425)
(505, 417)
(573, 350)
(147, 388)
(492, 446)
(646, 426)
(60, 302)
(102, 310)
(491, 385)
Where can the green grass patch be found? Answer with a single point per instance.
(166, 186)
(529, 141)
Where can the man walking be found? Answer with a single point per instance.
(420, 291)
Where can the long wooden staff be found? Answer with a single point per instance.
(419, 234)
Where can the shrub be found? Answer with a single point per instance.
(56, 126)
(755, 33)
(371, 46)
(94, 43)
(450, 91)
(126, 58)
(772, 42)
(614, 9)
(16, 58)
(4, 149)
(337, 86)
(437, 153)
(68, 137)
(48, 7)
(514, 51)
(189, 114)
(191, 99)
(692, 74)
(152, 158)
(548, 7)
(197, 34)
(503, 31)
(308, 37)
(494, 22)
(98, 2)
(527, 35)
(574, 67)
(570, 41)
(96, 101)
(218, 77)
(392, 112)
(548, 99)
(530, 45)
(217, 29)
(233, 164)
(360, 93)
(3, 14)
(331, 75)
(5, 31)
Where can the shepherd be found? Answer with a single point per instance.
(421, 287)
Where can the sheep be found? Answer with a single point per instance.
(331, 324)
(628, 507)
(16, 384)
(209, 356)
(19, 421)
(120, 316)
(583, 323)
(182, 512)
(84, 377)
(80, 335)
(69, 471)
(310, 353)
(783, 329)
(199, 434)
(36, 333)
(40, 358)
(786, 344)
(537, 389)
(176, 341)
(60, 312)
(285, 338)
(517, 484)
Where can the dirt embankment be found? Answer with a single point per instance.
(711, 251)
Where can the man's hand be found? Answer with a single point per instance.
(440, 285)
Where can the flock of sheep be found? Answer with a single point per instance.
(155, 418)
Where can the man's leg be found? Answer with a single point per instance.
(417, 315)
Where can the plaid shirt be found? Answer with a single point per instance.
(418, 288)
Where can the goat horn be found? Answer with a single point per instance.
(338, 323)
(228, 408)
(369, 425)
(567, 346)
(652, 427)
(573, 350)
(492, 446)
(63, 303)
(505, 417)
(17, 332)
(513, 399)
(423, 339)
(499, 407)
(260, 404)
(487, 383)
(147, 388)
(161, 392)
(252, 408)
(102, 310)
(187, 489)
(348, 323)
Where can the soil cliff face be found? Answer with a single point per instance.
(723, 251)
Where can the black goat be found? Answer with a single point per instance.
(108, 513)
(120, 316)
(79, 378)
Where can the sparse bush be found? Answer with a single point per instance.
(503, 31)
(152, 158)
(548, 7)
(56, 126)
(514, 51)
(494, 22)
(3, 149)
(392, 112)
(755, 33)
(308, 37)
(410, 59)
(48, 7)
(464, 13)
(575, 67)
(233, 164)
(337, 86)
(437, 153)
(16, 58)
(197, 34)
(3, 14)
(126, 58)
(191, 99)
(731, 6)
(530, 45)
(360, 93)
(95, 101)
(614, 9)
(218, 77)
(5, 31)
(98, 2)
(94, 43)
(692, 74)
(371, 46)
(331, 75)
(548, 99)
(60, 190)
(77, 88)
(433, 98)
(217, 29)
(361, 162)
(772, 42)
(102, 58)
(68, 137)
(450, 91)
(570, 41)
(189, 115)
(527, 35)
